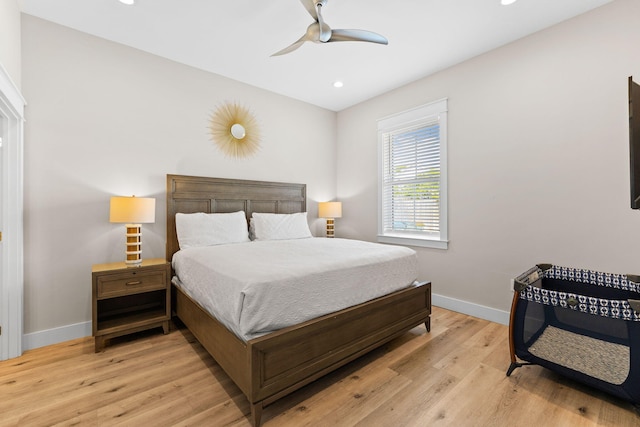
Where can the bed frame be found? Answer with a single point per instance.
(272, 366)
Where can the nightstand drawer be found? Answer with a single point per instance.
(130, 283)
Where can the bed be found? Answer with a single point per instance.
(275, 364)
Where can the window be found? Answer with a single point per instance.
(413, 177)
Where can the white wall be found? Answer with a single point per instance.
(104, 119)
(10, 39)
(538, 158)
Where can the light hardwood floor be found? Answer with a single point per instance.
(452, 376)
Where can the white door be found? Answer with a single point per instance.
(11, 221)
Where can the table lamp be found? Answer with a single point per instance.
(330, 211)
(133, 211)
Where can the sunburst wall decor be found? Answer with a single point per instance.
(234, 130)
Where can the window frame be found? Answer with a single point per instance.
(424, 114)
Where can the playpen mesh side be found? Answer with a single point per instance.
(581, 323)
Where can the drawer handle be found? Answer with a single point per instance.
(135, 282)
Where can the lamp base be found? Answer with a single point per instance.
(330, 227)
(133, 253)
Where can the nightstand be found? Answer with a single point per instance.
(130, 299)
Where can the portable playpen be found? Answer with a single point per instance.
(580, 323)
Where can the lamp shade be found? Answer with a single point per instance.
(134, 210)
(330, 209)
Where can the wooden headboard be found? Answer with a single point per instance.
(190, 194)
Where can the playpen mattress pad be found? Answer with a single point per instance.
(259, 287)
(599, 359)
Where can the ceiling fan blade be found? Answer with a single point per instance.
(292, 46)
(310, 5)
(357, 36)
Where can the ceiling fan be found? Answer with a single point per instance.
(320, 32)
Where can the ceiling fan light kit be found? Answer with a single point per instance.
(320, 32)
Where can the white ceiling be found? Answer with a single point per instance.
(235, 38)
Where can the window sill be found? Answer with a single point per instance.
(413, 241)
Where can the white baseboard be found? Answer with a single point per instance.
(471, 309)
(56, 335)
(80, 330)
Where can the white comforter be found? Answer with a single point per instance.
(258, 287)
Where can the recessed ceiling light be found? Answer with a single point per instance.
(507, 2)
(128, 2)
(338, 83)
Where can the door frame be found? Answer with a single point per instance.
(11, 222)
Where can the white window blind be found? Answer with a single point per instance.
(413, 177)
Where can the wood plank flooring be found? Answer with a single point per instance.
(452, 376)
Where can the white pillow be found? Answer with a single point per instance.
(267, 226)
(252, 229)
(202, 229)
